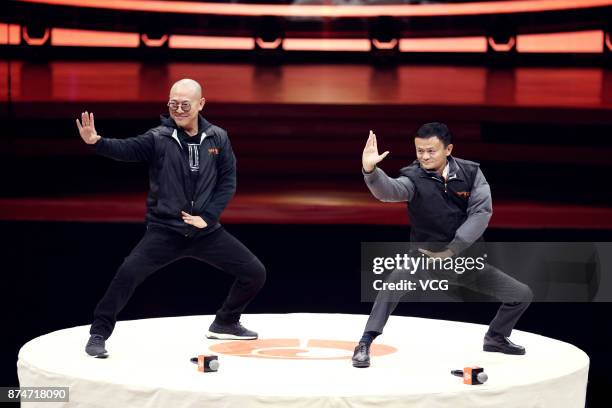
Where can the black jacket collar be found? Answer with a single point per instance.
(203, 124)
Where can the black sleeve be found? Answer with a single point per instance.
(133, 149)
(226, 183)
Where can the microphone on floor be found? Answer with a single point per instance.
(471, 375)
(206, 363)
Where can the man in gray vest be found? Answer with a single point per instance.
(449, 205)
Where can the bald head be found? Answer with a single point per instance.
(186, 97)
(188, 87)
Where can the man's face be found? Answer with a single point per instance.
(431, 153)
(187, 104)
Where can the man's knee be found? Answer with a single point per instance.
(254, 274)
(526, 294)
(523, 294)
(260, 273)
(130, 272)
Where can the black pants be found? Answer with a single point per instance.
(514, 295)
(161, 246)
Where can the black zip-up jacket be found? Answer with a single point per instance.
(170, 186)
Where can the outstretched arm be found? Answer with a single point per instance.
(382, 186)
(135, 149)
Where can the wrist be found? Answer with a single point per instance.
(368, 170)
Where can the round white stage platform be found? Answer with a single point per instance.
(303, 360)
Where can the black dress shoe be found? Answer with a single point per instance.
(361, 356)
(502, 344)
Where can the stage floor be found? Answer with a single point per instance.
(303, 360)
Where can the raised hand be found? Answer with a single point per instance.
(87, 129)
(370, 157)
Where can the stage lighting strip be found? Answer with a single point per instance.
(289, 10)
(570, 42)
(10, 34)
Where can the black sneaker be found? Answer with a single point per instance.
(229, 331)
(501, 344)
(361, 355)
(95, 346)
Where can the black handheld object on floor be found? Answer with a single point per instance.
(206, 363)
(471, 375)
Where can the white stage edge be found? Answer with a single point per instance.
(308, 365)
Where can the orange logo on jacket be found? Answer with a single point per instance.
(213, 150)
(463, 194)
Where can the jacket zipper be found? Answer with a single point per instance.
(186, 164)
(445, 182)
(193, 192)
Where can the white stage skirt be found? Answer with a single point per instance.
(302, 360)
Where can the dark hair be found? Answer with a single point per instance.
(435, 129)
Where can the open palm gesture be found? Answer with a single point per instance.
(370, 157)
(87, 129)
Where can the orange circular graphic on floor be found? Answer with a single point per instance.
(296, 349)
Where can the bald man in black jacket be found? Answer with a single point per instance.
(192, 176)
